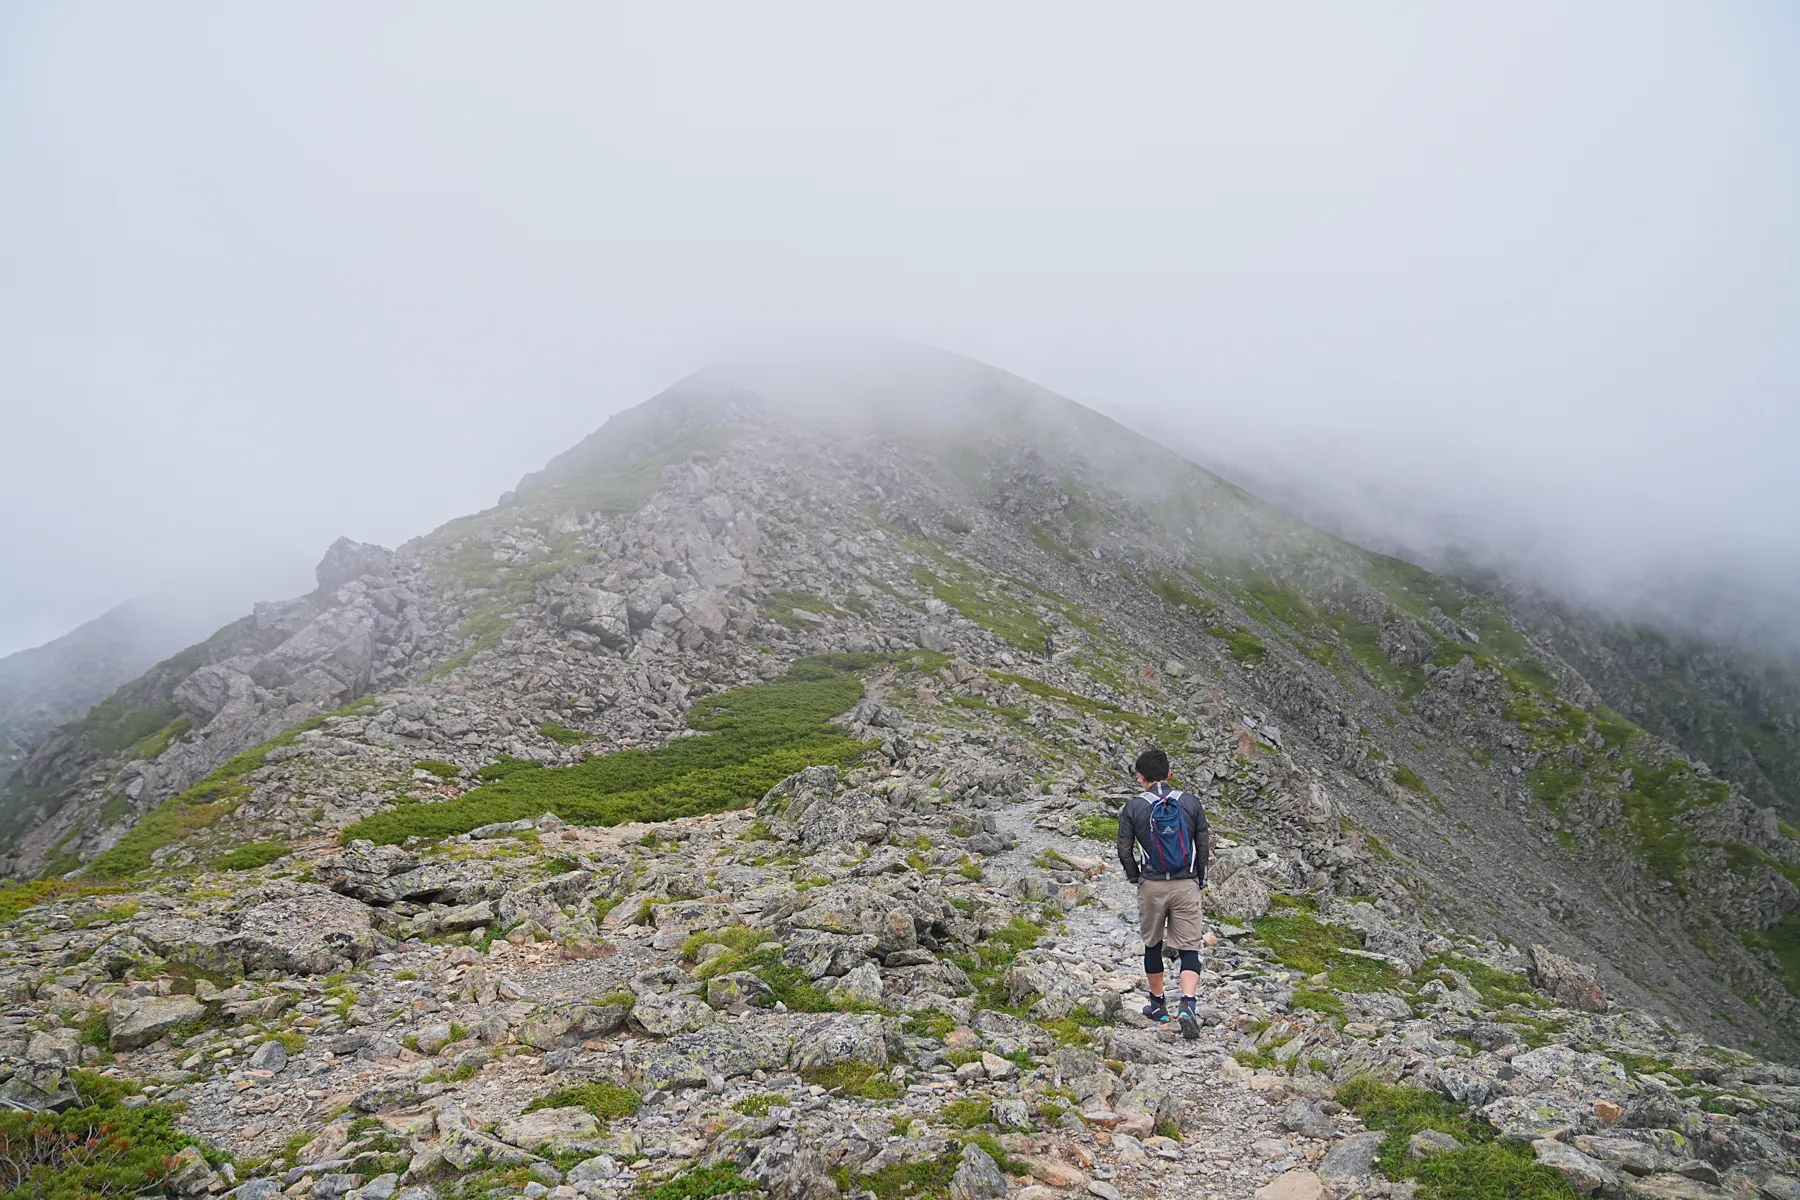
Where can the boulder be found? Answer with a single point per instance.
(1352, 1159)
(1241, 897)
(1583, 1174)
(1293, 1185)
(666, 1014)
(39, 1087)
(133, 1023)
(548, 1127)
(977, 1176)
(738, 987)
(690, 1059)
(1569, 981)
(841, 1037)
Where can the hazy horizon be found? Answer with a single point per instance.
(1523, 281)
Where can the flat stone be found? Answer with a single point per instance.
(1294, 1185)
(1351, 1159)
(135, 1023)
(1428, 1142)
(1584, 1174)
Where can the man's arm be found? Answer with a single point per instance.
(1202, 840)
(1128, 843)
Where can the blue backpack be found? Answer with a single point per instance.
(1171, 845)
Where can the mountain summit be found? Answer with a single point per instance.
(741, 787)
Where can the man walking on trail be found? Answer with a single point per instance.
(1169, 826)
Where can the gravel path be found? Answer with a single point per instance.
(1233, 1138)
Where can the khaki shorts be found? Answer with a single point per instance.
(1171, 905)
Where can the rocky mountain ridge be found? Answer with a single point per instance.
(438, 764)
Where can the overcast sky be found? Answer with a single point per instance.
(269, 274)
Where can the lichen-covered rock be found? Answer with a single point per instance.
(1569, 981)
(841, 1037)
(548, 1126)
(1240, 897)
(726, 1051)
(666, 1014)
(133, 1023)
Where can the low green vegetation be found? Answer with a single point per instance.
(759, 1105)
(703, 1183)
(101, 1149)
(606, 1101)
(861, 1080)
(754, 738)
(1783, 941)
(1499, 989)
(442, 770)
(153, 746)
(251, 856)
(1098, 828)
(982, 601)
(1301, 941)
(1409, 779)
(213, 797)
(1245, 646)
(1483, 1169)
(562, 735)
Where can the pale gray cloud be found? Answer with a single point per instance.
(268, 274)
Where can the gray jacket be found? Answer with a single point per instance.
(1134, 831)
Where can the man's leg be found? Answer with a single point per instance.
(1158, 1008)
(1152, 918)
(1186, 930)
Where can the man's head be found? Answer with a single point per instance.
(1152, 766)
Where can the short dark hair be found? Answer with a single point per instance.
(1152, 764)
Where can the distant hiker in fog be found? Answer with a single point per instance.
(1049, 647)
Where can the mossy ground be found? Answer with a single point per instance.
(1482, 1170)
(213, 797)
(756, 737)
(606, 1101)
(1303, 942)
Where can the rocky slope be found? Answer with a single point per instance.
(396, 858)
(52, 685)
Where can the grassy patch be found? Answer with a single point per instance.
(1498, 988)
(703, 1183)
(1304, 943)
(760, 1104)
(1245, 646)
(251, 856)
(1326, 1004)
(779, 607)
(1783, 941)
(1409, 779)
(152, 747)
(608, 1102)
(1482, 1170)
(562, 735)
(756, 737)
(199, 806)
(437, 767)
(1098, 828)
(981, 601)
(861, 1080)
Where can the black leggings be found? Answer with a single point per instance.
(1153, 960)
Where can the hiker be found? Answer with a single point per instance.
(1049, 648)
(1170, 827)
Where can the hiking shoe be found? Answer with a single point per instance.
(1157, 1009)
(1190, 1020)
